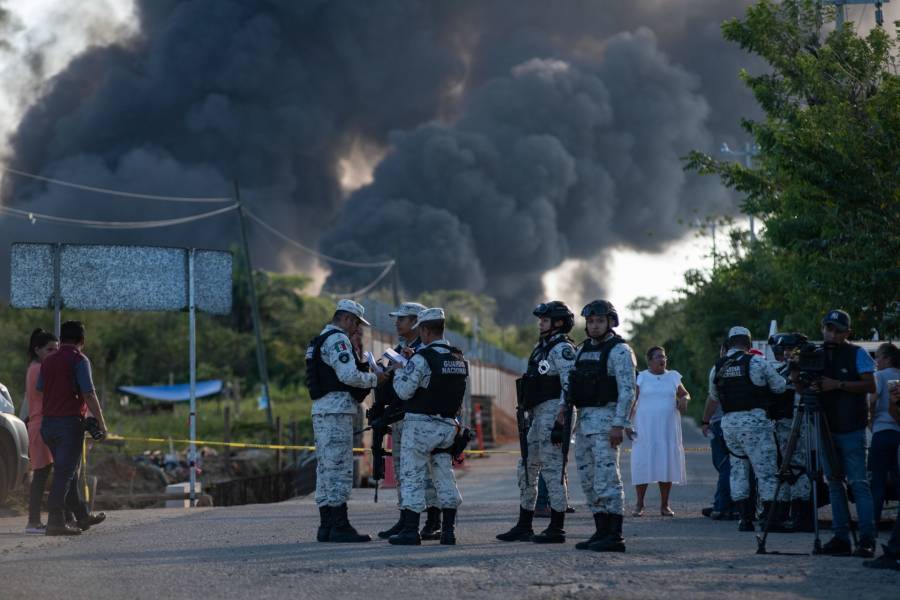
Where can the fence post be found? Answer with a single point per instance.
(226, 432)
(278, 443)
(293, 429)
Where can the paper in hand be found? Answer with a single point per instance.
(374, 367)
(395, 357)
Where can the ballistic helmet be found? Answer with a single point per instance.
(556, 311)
(602, 308)
(787, 340)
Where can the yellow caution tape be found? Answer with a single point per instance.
(251, 445)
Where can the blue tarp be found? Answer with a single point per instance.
(173, 393)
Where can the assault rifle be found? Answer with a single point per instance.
(522, 424)
(380, 417)
(567, 438)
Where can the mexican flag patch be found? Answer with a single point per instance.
(341, 347)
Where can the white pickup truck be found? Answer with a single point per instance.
(13, 446)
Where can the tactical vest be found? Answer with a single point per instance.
(737, 392)
(590, 383)
(359, 394)
(322, 379)
(538, 388)
(844, 410)
(782, 405)
(447, 387)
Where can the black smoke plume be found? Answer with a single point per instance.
(517, 133)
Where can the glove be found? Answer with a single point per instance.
(557, 435)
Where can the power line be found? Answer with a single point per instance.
(35, 217)
(111, 192)
(368, 288)
(308, 250)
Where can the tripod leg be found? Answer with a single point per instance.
(815, 472)
(783, 474)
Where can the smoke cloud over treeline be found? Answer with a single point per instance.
(510, 135)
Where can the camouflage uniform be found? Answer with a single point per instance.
(333, 423)
(421, 435)
(598, 463)
(397, 449)
(750, 433)
(543, 457)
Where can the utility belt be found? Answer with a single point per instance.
(591, 388)
(431, 413)
(746, 405)
(464, 435)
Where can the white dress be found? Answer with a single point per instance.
(657, 453)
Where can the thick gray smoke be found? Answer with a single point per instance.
(556, 160)
(519, 133)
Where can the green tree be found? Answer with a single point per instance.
(826, 181)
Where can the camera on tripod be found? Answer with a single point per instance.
(809, 360)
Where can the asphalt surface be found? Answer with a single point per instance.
(269, 551)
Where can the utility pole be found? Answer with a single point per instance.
(395, 283)
(749, 151)
(254, 311)
(841, 13)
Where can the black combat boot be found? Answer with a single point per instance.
(780, 513)
(397, 528)
(888, 560)
(325, 522)
(802, 514)
(613, 542)
(747, 511)
(601, 522)
(409, 536)
(555, 534)
(448, 534)
(341, 529)
(521, 531)
(432, 528)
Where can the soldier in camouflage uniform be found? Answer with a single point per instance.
(797, 492)
(602, 388)
(331, 376)
(542, 387)
(432, 386)
(743, 384)
(405, 317)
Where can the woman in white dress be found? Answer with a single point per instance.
(657, 452)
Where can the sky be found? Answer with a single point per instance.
(61, 28)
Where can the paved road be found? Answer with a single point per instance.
(268, 551)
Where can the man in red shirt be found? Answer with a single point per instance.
(69, 392)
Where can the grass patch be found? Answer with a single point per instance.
(250, 425)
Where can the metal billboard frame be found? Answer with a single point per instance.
(44, 275)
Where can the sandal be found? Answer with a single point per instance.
(667, 512)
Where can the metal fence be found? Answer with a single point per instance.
(377, 313)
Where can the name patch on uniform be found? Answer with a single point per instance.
(454, 367)
(344, 358)
(590, 356)
(732, 371)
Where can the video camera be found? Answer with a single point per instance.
(809, 360)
